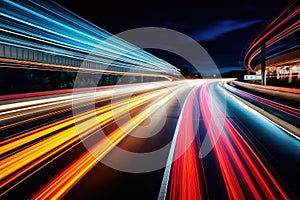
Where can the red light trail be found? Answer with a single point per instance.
(243, 171)
(266, 34)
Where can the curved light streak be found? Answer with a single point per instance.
(47, 27)
(285, 17)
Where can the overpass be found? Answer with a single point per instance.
(285, 67)
(275, 51)
(45, 36)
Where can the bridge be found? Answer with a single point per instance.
(36, 37)
(270, 54)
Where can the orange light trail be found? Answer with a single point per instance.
(26, 151)
(68, 177)
(13, 63)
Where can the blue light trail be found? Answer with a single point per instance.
(49, 28)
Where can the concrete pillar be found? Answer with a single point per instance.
(290, 75)
(263, 64)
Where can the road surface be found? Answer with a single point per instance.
(168, 140)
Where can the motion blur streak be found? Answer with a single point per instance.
(63, 40)
(280, 107)
(22, 153)
(268, 37)
(185, 177)
(213, 127)
(286, 32)
(68, 177)
(243, 170)
(242, 162)
(244, 174)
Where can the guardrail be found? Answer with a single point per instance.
(18, 53)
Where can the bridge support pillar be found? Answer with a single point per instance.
(290, 75)
(263, 64)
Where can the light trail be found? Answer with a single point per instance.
(282, 108)
(260, 35)
(69, 176)
(12, 114)
(50, 29)
(266, 36)
(247, 176)
(286, 32)
(244, 172)
(185, 176)
(26, 151)
(13, 63)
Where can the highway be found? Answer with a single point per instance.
(193, 138)
(285, 109)
(252, 157)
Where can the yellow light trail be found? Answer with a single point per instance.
(20, 162)
(13, 63)
(68, 177)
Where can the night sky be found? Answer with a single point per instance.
(223, 28)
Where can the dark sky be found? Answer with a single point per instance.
(223, 28)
